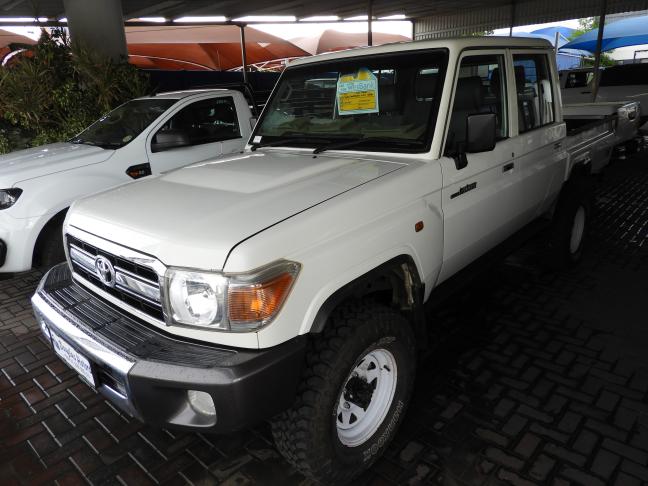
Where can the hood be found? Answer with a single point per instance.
(194, 216)
(48, 159)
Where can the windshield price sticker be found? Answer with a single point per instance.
(357, 93)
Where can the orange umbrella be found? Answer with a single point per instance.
(334, 40)
(203, 47)
(8, 40)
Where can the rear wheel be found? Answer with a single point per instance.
(570, 225)
(352, 398)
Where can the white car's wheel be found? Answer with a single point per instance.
(570, 225)
(352, 398)
(366, 397)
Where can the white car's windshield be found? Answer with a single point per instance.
(124, 123)
(385, 102)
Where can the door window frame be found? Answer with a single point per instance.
(555, 87)
(181, 105)
(504, 53)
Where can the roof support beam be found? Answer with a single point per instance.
(369, 19)
(597, 54)
(243, 55)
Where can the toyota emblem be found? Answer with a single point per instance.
(105, 271)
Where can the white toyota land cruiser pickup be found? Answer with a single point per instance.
(288, 282)
(146, 135)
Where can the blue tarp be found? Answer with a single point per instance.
(566, 58)
(551, 31)
(626, 32)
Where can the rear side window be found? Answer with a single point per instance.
(534, 91)
(205, 121)
(578, 79)
(625, 75)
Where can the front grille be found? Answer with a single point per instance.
(123, 333)
(138, 273)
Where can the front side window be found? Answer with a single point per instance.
(384, 103)
(124, 123)
(205, 121)
(534, 91)
(481, 88)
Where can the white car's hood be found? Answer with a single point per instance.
(194, 216)
(47, 159)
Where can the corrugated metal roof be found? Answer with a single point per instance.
(451, 15)
(497, 14)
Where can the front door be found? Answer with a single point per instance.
(477, 199)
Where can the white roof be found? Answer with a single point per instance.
(178, 95)
(457, 43)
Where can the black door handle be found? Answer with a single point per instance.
(508, 167)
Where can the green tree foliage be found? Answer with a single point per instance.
(584, 26)
(55, 89)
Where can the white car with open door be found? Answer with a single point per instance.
(143, 136)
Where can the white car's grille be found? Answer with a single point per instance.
(135, 284)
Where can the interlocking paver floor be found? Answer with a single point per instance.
(538, 378)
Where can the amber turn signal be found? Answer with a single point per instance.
(258, 302)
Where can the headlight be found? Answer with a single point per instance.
(9, 196)
(234, 302)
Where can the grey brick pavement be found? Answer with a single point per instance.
(538, 378)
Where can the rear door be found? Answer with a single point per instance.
(540, 152)
(203, 129)
(478, 199)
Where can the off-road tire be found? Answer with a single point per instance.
(576, 197)
(306, 434)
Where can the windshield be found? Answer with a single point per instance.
(382, 102)
(124, 123)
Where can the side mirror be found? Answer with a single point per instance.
(170, 139)
(481, 132)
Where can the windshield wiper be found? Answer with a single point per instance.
(291, 139)
(359, 141)
(107, 145)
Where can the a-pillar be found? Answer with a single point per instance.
(97, 25)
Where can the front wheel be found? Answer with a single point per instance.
(353, 395)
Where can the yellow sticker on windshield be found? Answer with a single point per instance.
(357, 93)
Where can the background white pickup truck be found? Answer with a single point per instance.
(143, 136)
(289, 282)
(626, 82)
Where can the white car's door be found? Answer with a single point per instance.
(201, 130)
(540, 154)
(478, 199)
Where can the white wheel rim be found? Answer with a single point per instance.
(578, 229)
(366, 397)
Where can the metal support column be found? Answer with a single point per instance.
(512, 18)
(369, 20)
(597, 54)
(243, 55)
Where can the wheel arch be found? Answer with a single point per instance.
(54, 221)
(397, 278)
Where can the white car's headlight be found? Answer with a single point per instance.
(228, 302)
(8, 197)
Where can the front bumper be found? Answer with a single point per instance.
(148, 373)
(18, 237)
